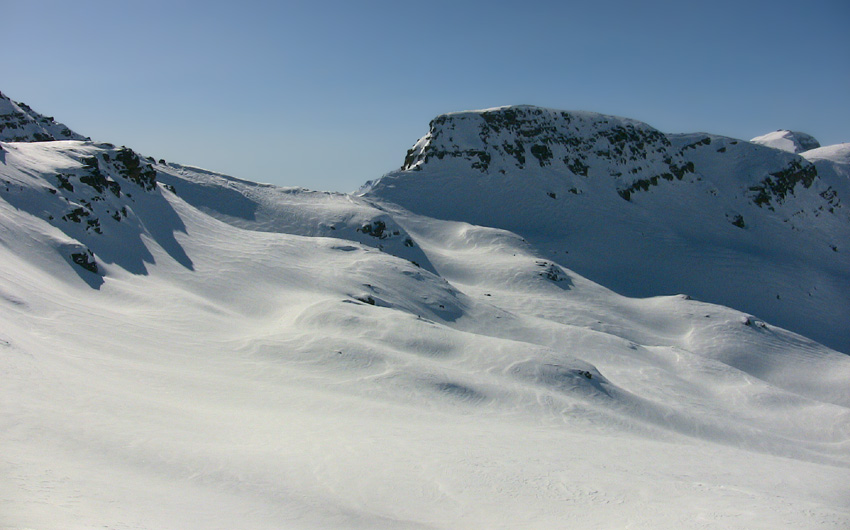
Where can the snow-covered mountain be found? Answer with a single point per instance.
(645, 213)
(791, 141)
(184, 349)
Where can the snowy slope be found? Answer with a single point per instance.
(839, 154)
(791, 141)
(232, 355)
(298, 211)
(642, 212)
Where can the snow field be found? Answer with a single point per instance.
(250, 357)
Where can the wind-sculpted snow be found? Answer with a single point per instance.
(291, 210)
(645, 213)
(262, 357)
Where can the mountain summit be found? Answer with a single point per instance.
(584, 144)
(643, 212)
(791, 141)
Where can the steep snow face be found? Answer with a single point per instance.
(19, 123)
(791, 141)
(642, 212)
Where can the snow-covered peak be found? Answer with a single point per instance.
(506, 139)
(19, 123)
(791, 141)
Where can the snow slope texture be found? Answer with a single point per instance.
(229, 363)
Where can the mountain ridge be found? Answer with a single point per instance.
(701, 204)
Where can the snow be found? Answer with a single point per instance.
(791, 141)
(249, 356)
(839, 153)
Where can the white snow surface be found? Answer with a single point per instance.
(791, 141)
(247, 356)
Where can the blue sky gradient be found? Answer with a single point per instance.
(329, 94)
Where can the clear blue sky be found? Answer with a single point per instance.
(329, 94)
